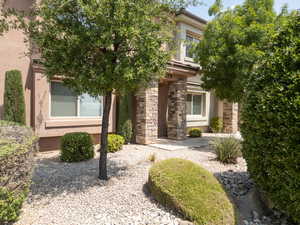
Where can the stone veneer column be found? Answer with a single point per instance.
(147, 114)
(230, 117)
(177, 110)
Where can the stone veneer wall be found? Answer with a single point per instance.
(177, 109)
(230, 117)
(147, 114)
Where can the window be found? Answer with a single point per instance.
(189, 45)
(195, 104)
(65, 103)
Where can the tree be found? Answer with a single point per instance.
(234, 41)
(101, 47)
(14, 103)
(3, 26)
(271, 119)
(3, 21)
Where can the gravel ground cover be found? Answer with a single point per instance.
(71, 194)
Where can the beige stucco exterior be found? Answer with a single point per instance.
(181, 75)
(13, 55)
(47, 126)
(13, 52)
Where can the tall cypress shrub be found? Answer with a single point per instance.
(14, 103)
(124, 126)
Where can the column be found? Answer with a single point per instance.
(230, 117)
(147, 114)
(177, 110)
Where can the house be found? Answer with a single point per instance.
(166, 109)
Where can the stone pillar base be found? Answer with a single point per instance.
(230, 117)
(147, 115)
(177, 110)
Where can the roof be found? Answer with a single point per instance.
(191, 15)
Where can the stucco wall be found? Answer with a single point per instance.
(46, 126)
(12, 56)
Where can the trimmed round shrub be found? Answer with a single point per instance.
(195, 132)
(227, 149)
(126, 131)
(115, 143)
(192, 191)
(271, 121)
(216, 124)
(76, 147)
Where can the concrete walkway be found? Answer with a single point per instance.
(191, 143)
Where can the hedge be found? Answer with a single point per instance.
(14, 103)
(76, 147)
(17, 147)
(271, 121)
(190, 190)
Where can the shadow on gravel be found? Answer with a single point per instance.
(240, 189)
(53, 177)
(163, 208)
(202, 144)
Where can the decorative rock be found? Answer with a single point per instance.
(255, 215)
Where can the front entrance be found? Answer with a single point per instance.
(163, 91)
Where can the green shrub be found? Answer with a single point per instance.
(227, 149)
(195, 132)
(152, 157)
(10, 204)
(124, 110)
(185, 187)
(76, 147)
(14, 103)
(271, 121)
(115, 143)
(126, 131)
(216, 124)
(18, 145)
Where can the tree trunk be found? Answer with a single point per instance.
(104, 133)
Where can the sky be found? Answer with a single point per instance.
(202, 10)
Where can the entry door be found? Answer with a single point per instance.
(163, 91)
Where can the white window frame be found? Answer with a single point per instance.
(184, 29)
(203, 107)
(186, 45)
(78, 107)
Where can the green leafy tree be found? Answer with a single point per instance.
(14, 103)
(234, 41)
(271, 120)
(215, 8)
(101, 47)
(3, 26)
(3, 20)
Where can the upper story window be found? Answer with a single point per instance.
(190, 42)
(65, 103)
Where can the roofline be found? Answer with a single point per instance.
(191, 15)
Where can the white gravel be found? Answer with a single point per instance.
(71, 194)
